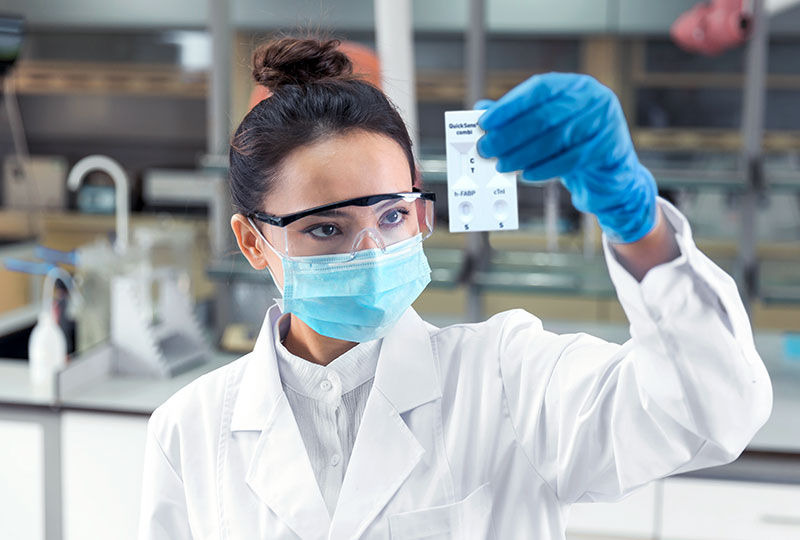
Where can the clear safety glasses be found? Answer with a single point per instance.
(376, 221)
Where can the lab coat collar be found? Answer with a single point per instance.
(260, 387)
(406, 372)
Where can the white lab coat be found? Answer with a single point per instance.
(474, 431)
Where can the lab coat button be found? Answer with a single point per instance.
(335, 460)
(326, 385)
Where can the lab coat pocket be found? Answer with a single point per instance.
(468, 519)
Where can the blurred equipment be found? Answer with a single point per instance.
(710, 28)
(36, 182)
(96, 200)
(138, 311)
(791, 348)
(120, 178)
(161, 338)
(11, 32)
(138, 302)
(153, 327)
(181, 189)
(95, 266)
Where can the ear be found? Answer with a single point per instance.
(250, 244)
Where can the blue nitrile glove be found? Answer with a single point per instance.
(570, 126)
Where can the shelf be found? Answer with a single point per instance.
(97, 78)
(709, 140)
(109, 78)
(651, 79)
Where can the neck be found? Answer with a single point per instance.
(304, 342)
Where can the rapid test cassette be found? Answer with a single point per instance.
(478, 197)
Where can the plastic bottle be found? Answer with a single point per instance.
(47, 345)
(47, 354)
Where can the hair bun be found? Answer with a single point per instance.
(299, 61)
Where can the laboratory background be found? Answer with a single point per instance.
(121, 281)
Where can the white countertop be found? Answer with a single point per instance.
(15, 387)
(123, 394)
(137, 395)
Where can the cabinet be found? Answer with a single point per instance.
(102, 459)
(715, 510)
(22, 504)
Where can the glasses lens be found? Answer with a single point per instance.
(354, 228)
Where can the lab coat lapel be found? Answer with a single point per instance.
(280, 472)
(386, 451)
(281, 475)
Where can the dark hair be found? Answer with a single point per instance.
(314, 95)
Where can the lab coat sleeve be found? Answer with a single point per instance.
(162, 514)
(688, 390)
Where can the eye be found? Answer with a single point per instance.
(395, 216)
(323, 231)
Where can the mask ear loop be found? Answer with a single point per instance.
(261, 236)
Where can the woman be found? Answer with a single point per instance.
(353, 418)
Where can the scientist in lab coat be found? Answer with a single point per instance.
(354, 418)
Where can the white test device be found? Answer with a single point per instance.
(478, 197)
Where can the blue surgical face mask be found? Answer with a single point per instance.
(355, 298)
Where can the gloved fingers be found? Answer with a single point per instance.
(531, 93)
(483, 104)
(585, 133)
(554, 167)
(552, 119)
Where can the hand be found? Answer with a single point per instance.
(570, 126)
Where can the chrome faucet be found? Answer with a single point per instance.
(115, 171)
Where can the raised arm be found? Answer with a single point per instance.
(688, 390)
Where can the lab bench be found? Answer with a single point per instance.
(71, 467)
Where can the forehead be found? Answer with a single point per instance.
(354, 164)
